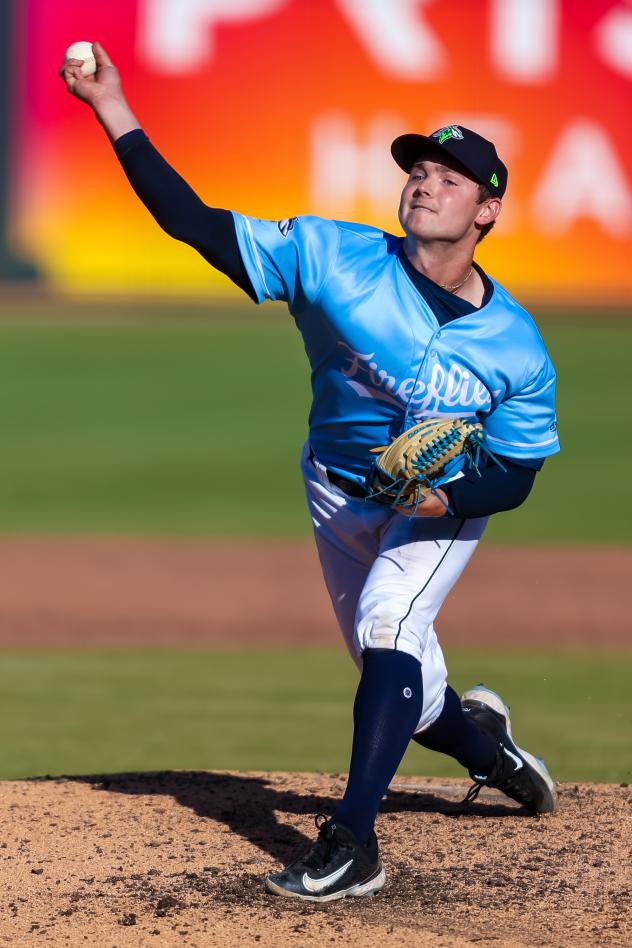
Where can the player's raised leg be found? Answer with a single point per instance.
(476, 731)
(515, 771)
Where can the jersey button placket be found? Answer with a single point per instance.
(431, 354)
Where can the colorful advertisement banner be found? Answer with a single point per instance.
(282, 107)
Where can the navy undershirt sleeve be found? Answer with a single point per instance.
(178, 210)
(494, 490)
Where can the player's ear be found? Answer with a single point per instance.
(489, 211)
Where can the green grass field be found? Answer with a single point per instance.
(108, 711)
(150, 429)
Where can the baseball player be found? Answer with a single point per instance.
(396, 330)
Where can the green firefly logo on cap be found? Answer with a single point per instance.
(494, 179)
(450, 131)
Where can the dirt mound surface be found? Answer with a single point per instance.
(99, 592)
(178, 858)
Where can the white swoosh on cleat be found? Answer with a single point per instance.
(519, 763)
(317, 885)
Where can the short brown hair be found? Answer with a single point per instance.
(484, 194)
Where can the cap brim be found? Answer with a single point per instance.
(407, 149)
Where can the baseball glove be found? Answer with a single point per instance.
(423, 458)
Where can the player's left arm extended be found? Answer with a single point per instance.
(495, 489)
(519, 435)
(480, 494)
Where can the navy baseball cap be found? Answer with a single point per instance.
(477, 155)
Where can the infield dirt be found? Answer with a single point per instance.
(178, 858)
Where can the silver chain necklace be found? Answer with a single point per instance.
(457, 286)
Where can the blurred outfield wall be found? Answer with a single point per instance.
(283, 107)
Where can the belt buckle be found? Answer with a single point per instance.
(348, 487)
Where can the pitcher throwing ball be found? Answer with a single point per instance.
(399, 330)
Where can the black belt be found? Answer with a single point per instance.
(345, 484)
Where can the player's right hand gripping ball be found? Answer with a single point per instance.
(421, 459)
(83, 50)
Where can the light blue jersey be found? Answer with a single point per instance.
(380, 360)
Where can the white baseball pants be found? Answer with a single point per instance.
(388, 574)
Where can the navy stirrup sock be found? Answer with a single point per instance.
(454, 734)
(386, 711)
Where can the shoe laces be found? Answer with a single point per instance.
(513, 785)
(319, 854)
(472, 793)
(478, 785)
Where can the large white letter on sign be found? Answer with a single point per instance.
(525, 39)
(347, 168)
(583, 179)
(177, 35)
(614, 39)
(395, 37)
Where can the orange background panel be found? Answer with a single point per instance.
(291, 109)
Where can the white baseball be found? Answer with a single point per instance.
(83, 50)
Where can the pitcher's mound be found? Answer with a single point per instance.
(168, 859)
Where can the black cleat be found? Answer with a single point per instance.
(336, 866)
(517, 773)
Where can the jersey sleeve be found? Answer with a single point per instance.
(287, 260)
(524, 425)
